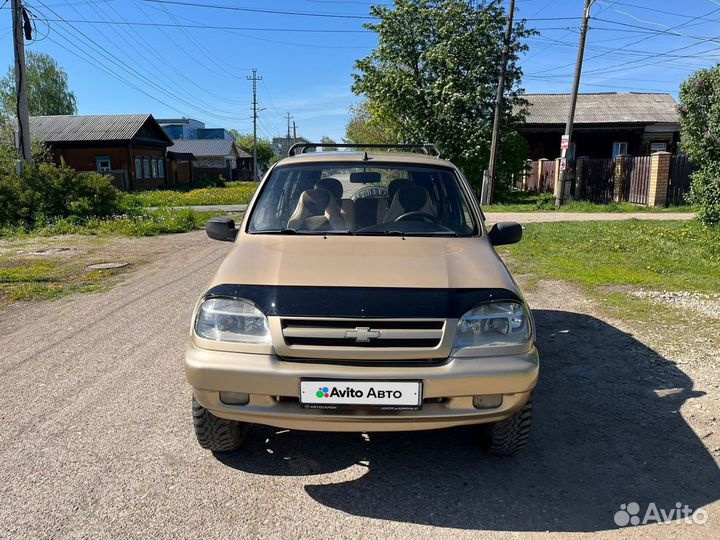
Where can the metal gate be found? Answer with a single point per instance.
(594, 180)
(679, 182)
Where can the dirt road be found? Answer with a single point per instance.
(97, 439)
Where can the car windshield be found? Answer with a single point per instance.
(381, 199)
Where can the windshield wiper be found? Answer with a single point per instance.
(347, 231)
(288, 230)
(409, 234)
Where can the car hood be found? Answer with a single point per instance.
(355, 261)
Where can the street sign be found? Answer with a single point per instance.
(563, 164)
(564, 142)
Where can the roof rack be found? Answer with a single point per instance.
(427, 147)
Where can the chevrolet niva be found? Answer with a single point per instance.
(362, 293)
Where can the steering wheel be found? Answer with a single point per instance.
(418, 216)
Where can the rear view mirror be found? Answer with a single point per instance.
(504, 233)
(365, 177)
(221, 228)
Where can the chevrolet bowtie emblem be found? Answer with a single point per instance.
(362, 333)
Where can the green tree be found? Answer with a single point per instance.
(328, 144)
(47, 83)
(366, 128)
(264, 148)
(700, 139)
(433, 78)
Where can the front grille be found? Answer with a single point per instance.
(377, 334)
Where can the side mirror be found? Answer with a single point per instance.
(507, 232)
(221, 228)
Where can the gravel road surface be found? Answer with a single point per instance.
(97, 440)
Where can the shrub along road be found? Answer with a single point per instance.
(97, 439)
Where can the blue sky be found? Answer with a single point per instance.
(306, 54)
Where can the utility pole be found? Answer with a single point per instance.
(294, 132)
(565, 145)
(23, 117)
(254, 78)
(287, 138)
(488, 185)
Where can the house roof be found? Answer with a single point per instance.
(105, 127)
(603, 108)
(207, 147)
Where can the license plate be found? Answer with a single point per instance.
(384, 394)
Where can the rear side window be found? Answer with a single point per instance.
(381, 199)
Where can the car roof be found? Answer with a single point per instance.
(360, 158)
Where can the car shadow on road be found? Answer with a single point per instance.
(606, 432)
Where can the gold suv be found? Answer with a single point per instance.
(362, 293)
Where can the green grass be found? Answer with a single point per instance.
(144, 223)
(235, 193)
(24, 280)
(673, 256)
(520, 201)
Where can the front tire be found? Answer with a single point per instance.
(216, 434)
(510, 435)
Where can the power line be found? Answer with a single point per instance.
(89, 59)
(124, 65)
(158, 63)
(671, 13)
(214, 27)
(222, 65)
(262, 10)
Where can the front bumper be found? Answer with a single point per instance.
(274, 386)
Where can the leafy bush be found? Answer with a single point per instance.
(700, 123)
(705, 193)
(545, 201)
(47, 192)
(204, 182)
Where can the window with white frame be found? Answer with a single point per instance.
(138, 168)
(154, 166)
(619, 149)
(102, 164)
(161, 168)
(146, 168)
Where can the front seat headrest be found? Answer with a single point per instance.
(412, 198)
(333, 185)
(316, 203)
(395, 185)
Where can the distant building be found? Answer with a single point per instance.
(215, 158)
(187, 128)
(606, 124)
(281, 145)
(129, 147)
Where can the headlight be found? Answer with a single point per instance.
(223, 319)
(493, 324)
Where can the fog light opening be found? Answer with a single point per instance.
(234, 398)
(488, 401)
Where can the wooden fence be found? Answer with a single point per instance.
(634, 173)
(623, 179)
(540, 176)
